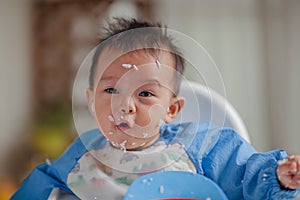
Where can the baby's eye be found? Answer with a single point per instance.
(111, 90)
(145, 94)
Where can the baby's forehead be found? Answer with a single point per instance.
(137, 68)
(113, 59)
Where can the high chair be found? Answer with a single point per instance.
(205, 104)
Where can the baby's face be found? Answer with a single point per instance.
(133, 97)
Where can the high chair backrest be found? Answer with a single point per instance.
(204, 104)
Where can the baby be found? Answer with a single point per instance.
(133, 86)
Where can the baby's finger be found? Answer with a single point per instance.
(287, 173)
(287, 166)
(296, 159)
(295, 182)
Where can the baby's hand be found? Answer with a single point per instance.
(288, 172)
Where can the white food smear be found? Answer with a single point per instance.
(135, 67)
(144, 181)
(130, 195)
(158, 63)
(142, 144)
(127, 66)
(114, 144)
(123, 148)
(145, 135)
(110, 118)
(161, 189)
(48, 161)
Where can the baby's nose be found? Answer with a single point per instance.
(130, 110)
(128, 107)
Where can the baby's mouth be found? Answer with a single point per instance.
(123, 126)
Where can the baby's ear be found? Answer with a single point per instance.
(90, 100)
(174, 108)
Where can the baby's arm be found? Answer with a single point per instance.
(288, 172)
(240, 171)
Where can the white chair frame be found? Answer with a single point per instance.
(205, 104)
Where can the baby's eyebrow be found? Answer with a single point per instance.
(108, 78)
(152, 81)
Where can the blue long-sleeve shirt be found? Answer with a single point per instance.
(217, 153)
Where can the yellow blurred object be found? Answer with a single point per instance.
(51, 130)
(50, 141)
(7, 188)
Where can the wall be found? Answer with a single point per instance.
(15, 73)
(283, 48)
(231, 33)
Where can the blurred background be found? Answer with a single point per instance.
(255, 44)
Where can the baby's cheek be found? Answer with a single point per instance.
(151, 116)
(103, 126)
(149, 123)
(157, 112)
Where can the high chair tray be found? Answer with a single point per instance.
(172, 185)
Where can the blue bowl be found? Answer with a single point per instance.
(174, 185)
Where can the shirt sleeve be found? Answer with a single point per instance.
(237, 168)
(45, 177)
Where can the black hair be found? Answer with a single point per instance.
(133, 35)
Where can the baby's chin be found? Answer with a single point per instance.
(144, 144)
(128, 142)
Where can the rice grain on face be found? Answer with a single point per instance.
(127, 66)
(135, 67)
(110, 118)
